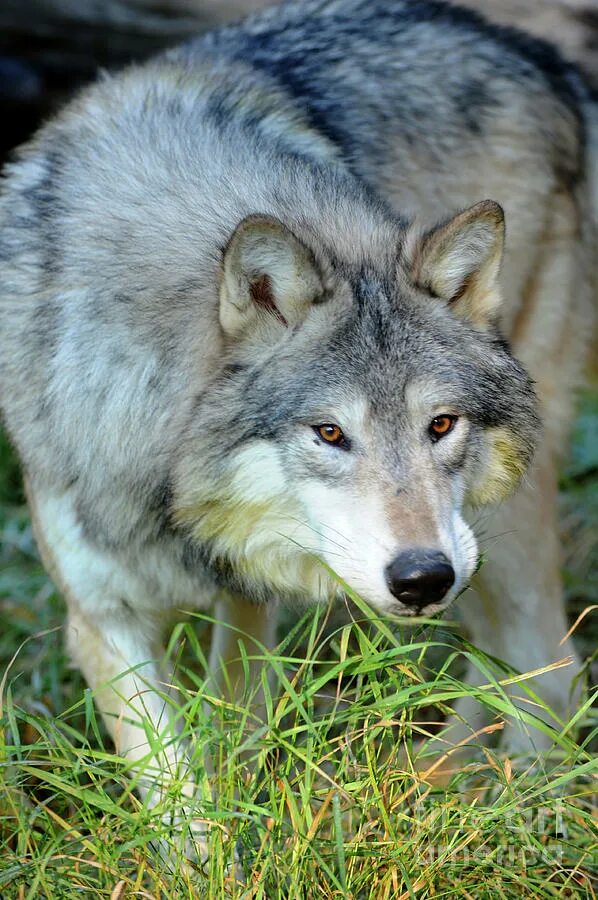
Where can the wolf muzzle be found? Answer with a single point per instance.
(420, 578)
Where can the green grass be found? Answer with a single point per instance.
(336, 795)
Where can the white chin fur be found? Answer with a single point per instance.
(358, 546)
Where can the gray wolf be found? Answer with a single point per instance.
(258, 312)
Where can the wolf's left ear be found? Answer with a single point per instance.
(269, 278)
(459, 261)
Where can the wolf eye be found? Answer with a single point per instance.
(332, 434)
(441, 425)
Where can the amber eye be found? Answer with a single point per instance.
(441, 425)
(332, 434)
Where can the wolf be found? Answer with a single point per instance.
(264, 335)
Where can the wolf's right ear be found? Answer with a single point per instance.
(460, 259)
(268, 278)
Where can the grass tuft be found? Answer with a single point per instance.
(335, 796)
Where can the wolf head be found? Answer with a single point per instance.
(359, 410)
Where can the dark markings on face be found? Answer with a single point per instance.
(382, 345)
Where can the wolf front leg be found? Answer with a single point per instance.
(516, 611)
(119, 660)
(242, 632)
(118, 649)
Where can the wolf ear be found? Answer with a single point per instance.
(268, 276)
(459, 261)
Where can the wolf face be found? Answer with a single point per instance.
(359, 411)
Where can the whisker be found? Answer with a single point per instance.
(320, 533)
(493, 537)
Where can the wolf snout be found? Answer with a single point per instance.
(420, 577)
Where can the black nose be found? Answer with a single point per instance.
(420, 577)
